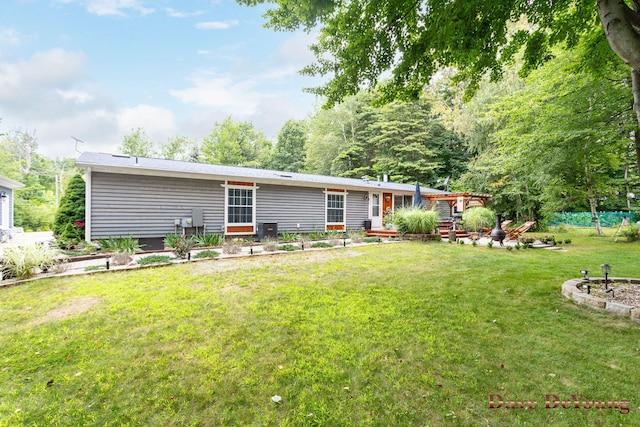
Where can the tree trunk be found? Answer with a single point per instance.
(593, 203)
(635, 88)
(619, 23)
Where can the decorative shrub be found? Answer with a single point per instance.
(333, 234)
(71, 211)
(71, 235)
(232, 246)
(269, 244)
(154, 259)
(316, 234)
(478, 218)
(321, 245)
(372, 240)
(208, 240)
(127, 245)
(180, 244)
(630, 232)
(289, 237)
(289, 247)
(356, 236)
(23, 262)
(416, 220)
(206, 254)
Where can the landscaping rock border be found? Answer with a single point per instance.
(571, 289)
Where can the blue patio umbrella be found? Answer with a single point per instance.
(417, 198)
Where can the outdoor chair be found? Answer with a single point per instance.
(517, 232)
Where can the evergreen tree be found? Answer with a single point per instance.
(70, 219)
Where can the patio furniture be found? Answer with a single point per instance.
(517, 232)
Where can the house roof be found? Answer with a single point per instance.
(9, 183)
(117, 163)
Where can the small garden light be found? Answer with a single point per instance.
(585, 273)
(606, 270)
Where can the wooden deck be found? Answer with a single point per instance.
(382, 233)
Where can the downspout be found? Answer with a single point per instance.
(87, 206)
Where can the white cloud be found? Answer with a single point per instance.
(259, 92)
(111, 7)
(178, 14)
(238, 96)
(75, 96)
(296, 49)
(10, 37)
(40, 77)
(216, 25)
(158, 123)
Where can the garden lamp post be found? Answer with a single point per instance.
(585, 281)
(606, 270)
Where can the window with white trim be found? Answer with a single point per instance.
(335, 209)
(240, 205)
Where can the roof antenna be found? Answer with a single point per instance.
(77, 140)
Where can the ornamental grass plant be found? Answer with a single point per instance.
(23, 262)
(416, 220)
(478, 218)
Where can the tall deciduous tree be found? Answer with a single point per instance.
(180, 148)
(289, 152)
(137, 143)
(402, 139)
(559, 143)
(363, 39)
(236, 144)
(35, 204)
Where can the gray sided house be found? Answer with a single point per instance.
(150, 198)
(6, 204)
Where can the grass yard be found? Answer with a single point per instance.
(406, 334)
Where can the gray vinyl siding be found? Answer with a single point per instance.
(357, 209)
(290, 206)
(146, 207)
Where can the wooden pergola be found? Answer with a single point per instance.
(466, 200)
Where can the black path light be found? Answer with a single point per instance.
(585, 281)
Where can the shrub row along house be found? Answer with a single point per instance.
(150, 198)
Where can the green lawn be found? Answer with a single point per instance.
(403, 334)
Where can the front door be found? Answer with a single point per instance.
(375, 210)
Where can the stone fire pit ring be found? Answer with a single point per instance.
(574, 290)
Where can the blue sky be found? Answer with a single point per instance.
(96, 69)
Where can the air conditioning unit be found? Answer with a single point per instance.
(267, 229)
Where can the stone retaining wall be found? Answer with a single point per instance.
(572, 289)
